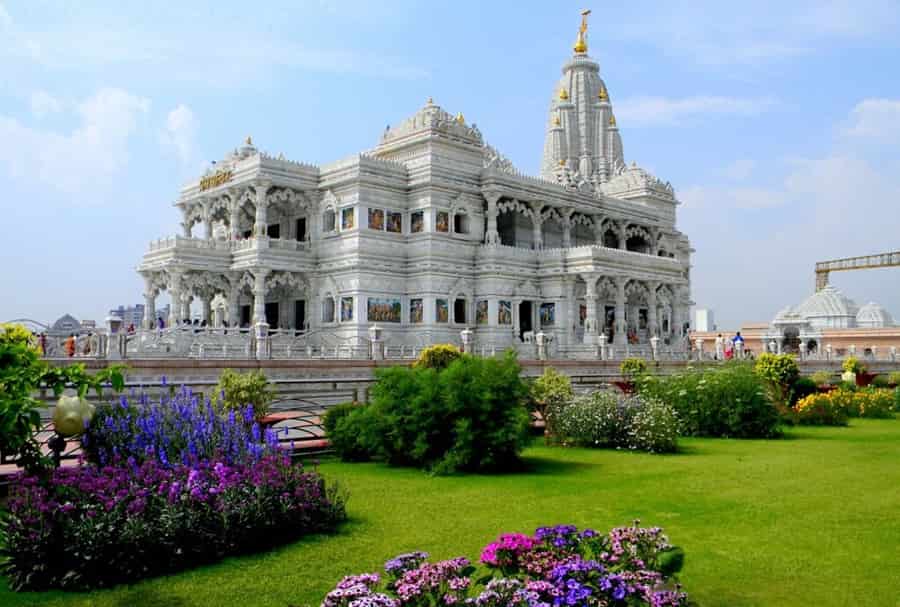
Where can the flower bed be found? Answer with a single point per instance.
(97, 526)
(556, 566)
(606, 419)
(833, 408)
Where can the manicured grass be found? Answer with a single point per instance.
(811, 519)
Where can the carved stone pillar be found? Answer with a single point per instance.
(260, 225)
(620, 230)
(491, 235)
(537, 223)
(175, 293)
(598, 230)
(621, 328)
(234, 215)
(207, 310)
(590, 299)
(259, 295)
(652, 321)
(567, 233)
(149, 302)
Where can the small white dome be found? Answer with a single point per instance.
(829, 308)
(873, 316)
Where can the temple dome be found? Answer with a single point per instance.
(829, 308)
(873, 316)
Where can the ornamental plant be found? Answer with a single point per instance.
(894, 378)
(853, 365)
(22, 373)
(95, 526)
(470, 416)
(550, 393)
(237, 390)
(822, 378)
(633, 368)
(437, 357)
(833, 408)
(778, 372)
(724, 401)
(609, 419)
(820, 410)
(177, 430)
(559, 565)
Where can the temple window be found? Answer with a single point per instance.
(300, 229)
(273, 230)
(442, 222)
(461, 223)
(459, 311)
(328, 221)
(347, 219)
(417, 221)
(328, 309)
(610, 239)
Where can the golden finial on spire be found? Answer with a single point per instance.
(563, 94)
(556, 121)
(249, 140)
(602, 95)
(612, 120)
(430, 101)
(460, 118)
(581, 42)
(562, 162)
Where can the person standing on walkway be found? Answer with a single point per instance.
(70, 345)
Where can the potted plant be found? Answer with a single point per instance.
(855, 371)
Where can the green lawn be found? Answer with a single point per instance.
(812, 519)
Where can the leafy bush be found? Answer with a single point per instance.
(874, 402)
(469, 416)
(353, 433)
(721, 401)
(437, 357)
(22, 373)
(556, 566)
(820, 410)
(632, 368)
(237, 390)
(880, 381)
(91, 526)
(894, 378)
(803, 386)
(181, 429)
(337, 412)
(549, 394)
(822, 378)
(897, 400)
(607, 419)
(778, 372)
(852, 364)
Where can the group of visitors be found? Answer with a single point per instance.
(726, 347)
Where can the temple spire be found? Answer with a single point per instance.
(581, 42)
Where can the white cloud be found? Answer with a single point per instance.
(43, 103)
(875, 119)
(655, 111)
(701, 197)
(77, 161)
(178, 132)
(739, 170)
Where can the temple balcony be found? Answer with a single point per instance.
(200, 253)
(273, 253)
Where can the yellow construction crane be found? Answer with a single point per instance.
(865, 262)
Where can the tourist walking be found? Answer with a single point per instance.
(720, 346)
(70, 345)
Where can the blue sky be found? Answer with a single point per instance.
(777, 122)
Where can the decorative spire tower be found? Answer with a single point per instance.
(581, 131)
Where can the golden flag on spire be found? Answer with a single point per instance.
(581, 41)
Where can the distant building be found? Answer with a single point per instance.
(704, 320)
(134, 315)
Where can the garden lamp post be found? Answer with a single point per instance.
(71, 416)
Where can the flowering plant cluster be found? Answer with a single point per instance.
(629, 566)
(175, 430)
(833, 408)
(607, 419)
(95, 526)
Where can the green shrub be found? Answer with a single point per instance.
(335, 413)
(469, 416)
(353, 432)
(897, 400)
(880, 381)
(778, 372)
(608, 419)
(852, 364)
(822, 378)
(804, 386)
(894, 378)
(237, 390)
(722, 401)
(437, 357)
(549, 393)
(820, 410)
(632, 368)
